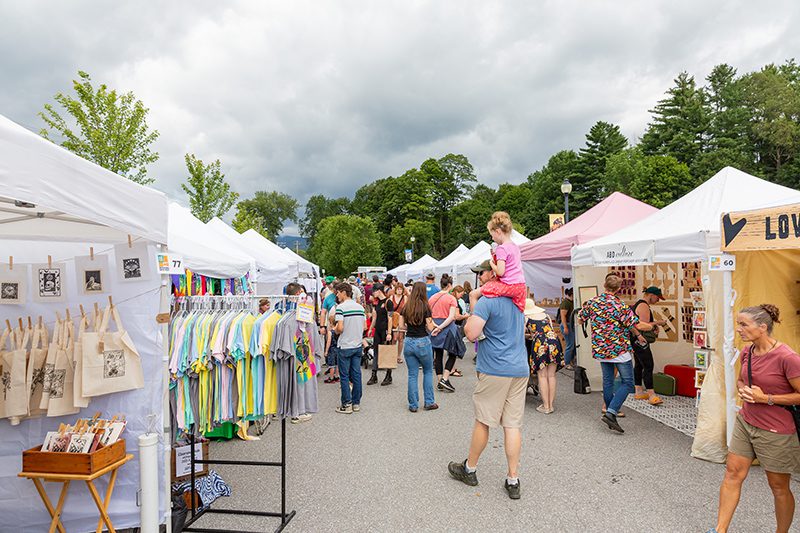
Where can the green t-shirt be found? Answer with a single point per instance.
(569, 305)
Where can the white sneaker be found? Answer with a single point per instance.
(356, 407)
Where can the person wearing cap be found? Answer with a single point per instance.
(546, 354)
(503, 372)
(642, 355)
(430, 285)
(357, 294)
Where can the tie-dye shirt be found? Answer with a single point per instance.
(611, 321)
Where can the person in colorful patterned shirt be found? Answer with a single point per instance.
(612, 324)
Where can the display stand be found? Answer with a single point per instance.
(283, 515)
(66, 479)
(196, 515)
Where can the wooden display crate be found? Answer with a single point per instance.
(35, 460)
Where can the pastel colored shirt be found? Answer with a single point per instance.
(502, 352)
(772, 372)
(611, 322)
(510, 253)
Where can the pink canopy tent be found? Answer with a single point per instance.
(546, 260)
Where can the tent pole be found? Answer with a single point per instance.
(728, 350)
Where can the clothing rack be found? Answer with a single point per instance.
(195, 515)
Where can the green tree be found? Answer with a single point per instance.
(469, 218)
(545, 187)
(516, 201)
(657, 180)
(209, 194)
(318, 208)
(344, 242)
(680, 122)
(773, 95)
(266, 213)
(602, 141)
(400, 239)
(452, 178)
(112, 129)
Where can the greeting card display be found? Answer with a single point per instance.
(699, 319)
(701, 359)
(133, 262)
(49, 282)
(13, 284)
(92, 274)
(700, 339)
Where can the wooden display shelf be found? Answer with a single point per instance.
(82, 464)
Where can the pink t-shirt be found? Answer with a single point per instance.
(772, 373)
(441, 303)
(509, 252)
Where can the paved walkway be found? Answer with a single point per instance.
(385, 469)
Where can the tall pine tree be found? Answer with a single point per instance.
(602, 141)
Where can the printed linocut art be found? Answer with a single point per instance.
(13, 284)
(49, 282)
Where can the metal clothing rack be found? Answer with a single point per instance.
(195, 515)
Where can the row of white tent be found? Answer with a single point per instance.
(457, 263)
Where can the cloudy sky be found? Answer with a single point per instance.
(323, 97)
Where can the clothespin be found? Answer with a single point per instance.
(30, 323)
(58, 317)
(11, 262)
(83, 313)
(8, 325)
(21, 326)
(49, 261)
(130, 241)
(41, 322)
(96, 309)
(113, 419)
(91, 253)
(96, 416)
(68, 317)
(110, 301)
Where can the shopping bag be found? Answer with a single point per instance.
(14, 398)
(110, 360)
(62, 379)
(387, 355)
(34, 378)
(79, 400)
(50, 363)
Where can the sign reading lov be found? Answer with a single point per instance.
(636, 253)
(763, 229)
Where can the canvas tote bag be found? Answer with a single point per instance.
(78, 398)
(110, 360)
(50, 363)
(12, 379)
(62, 380)
(34, 378)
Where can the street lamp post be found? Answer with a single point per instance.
(566, 189)
(412, 246)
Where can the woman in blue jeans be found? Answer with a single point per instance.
(416, 320)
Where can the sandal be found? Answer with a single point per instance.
(456, 373)
(655, 400)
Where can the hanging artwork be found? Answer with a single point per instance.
(49, 282)
(13, 284)
(699, 377)
(667, 312)
(699, 320)
(690, 281)
(627, 274)
(700, 339)
(664, 276)
(701, 359)
(133, 262)
(92, 274)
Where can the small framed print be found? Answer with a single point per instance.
(698, 299)
(699, 319)
(92, 274)
(133, 262)
(80, 443)
(699, 378)
(586, 293)
(700, 339)
(13, 284)
(701, 359)
(49, 282)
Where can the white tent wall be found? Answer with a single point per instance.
(545, 279)
(445, 266)
(138, 304)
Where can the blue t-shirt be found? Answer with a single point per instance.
(502, 352)
(329, 301)
(432, 289)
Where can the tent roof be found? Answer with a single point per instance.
(72, 197)
(615, 212)
(518, 238)
(304, 264)
(199, 248)
(475, 255)
(452, 257)
(689, 228)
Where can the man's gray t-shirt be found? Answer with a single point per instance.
(354, 320)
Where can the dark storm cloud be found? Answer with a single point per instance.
(309, 97)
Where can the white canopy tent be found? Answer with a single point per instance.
(418, 269)
(199, 248)
(518, 238)
(58, 204)
(688, 230)
(478, 253)
(445, 266)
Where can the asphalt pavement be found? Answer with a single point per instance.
(385, 469)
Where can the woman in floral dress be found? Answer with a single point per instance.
(546, 355)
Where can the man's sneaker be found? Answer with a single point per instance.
(345, 409)
(459, 471)
(512, 490)
(305, 417)
(446, 385)
(611, 421)
(431, 407)
(439, 385)
(356, 407)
